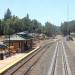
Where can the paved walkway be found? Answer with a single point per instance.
(10, 61)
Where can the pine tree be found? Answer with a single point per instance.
(7, 14)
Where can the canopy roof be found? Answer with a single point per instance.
(20, 37)
(14, 37)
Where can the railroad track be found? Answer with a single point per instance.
(66, 67)
(59, 64)
(25, 65)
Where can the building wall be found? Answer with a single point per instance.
(21, 46)
(18, 45)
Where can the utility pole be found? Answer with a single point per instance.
(68, 17)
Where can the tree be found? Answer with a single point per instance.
(1, 27)
(27, 16)
(7, 14)
(26, 23)
(67, 27)
(12, 24)
(48, 29)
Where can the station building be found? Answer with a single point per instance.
(19, 42)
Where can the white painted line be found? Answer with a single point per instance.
(63, 65)
(67, 64)
(51, 66)
(55, 73)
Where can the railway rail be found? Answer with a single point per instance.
(67, 70)
(65, 65)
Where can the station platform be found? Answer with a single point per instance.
(10, 61)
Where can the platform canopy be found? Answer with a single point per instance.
(14, 38)
(25, 35)
(19, 37)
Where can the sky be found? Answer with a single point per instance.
(53, 11)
